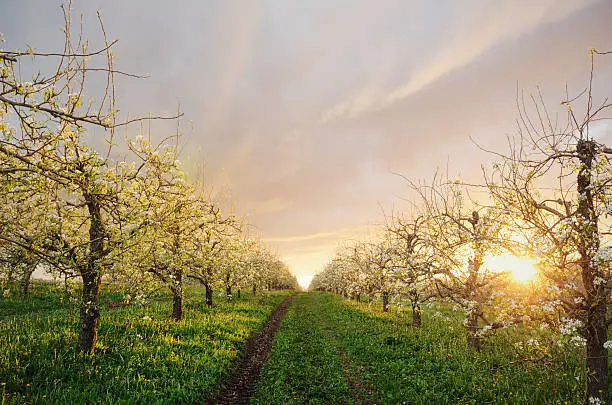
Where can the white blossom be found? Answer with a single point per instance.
(599, 281)
(570, 326)
(484, 330)
(578, 341)
(551, 306)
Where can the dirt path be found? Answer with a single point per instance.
(246, 375)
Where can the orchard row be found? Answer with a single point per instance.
(102, 207)
(547, 201)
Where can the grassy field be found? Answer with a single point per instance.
(141, 357)
(331, 350)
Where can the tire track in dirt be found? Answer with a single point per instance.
(361, 391)
(246, 374)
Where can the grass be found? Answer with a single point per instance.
(141, 356)
(300, 369)
(331, 350)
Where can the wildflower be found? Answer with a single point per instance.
(6, 293)
(146, 318)
(607, 344)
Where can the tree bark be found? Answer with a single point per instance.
(209, 295)
(177, 303)
(238, 293)
(596, 331)
(416, 314)
(385, 302)
(89, 313)
(254, 290)
(473, 340)
(92, 277)
(24, 283)
(597, 354)
(228, 293)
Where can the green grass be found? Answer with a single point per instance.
(326, 341)
(137, 360)
(300, 369)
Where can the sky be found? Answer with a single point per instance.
(306, 114)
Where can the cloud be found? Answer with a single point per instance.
(338, 234)
(274, 205)
(269, 85)
(477, 28)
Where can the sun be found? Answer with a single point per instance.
(521, 268)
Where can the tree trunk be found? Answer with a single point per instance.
(597, 354)
(254, 290)
(177, 304)
(473, 340)
(92, 276)
(89, 313)
(228, 293)
(358, 297)
(385, 302)
(209, 295)
(416, 314)
(24, 284)
(238, 293)
(596, 331)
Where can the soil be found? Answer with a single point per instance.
(246, 374)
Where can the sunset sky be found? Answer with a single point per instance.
(303, 112)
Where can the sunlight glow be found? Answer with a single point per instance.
(521, 268)
(304, 281)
